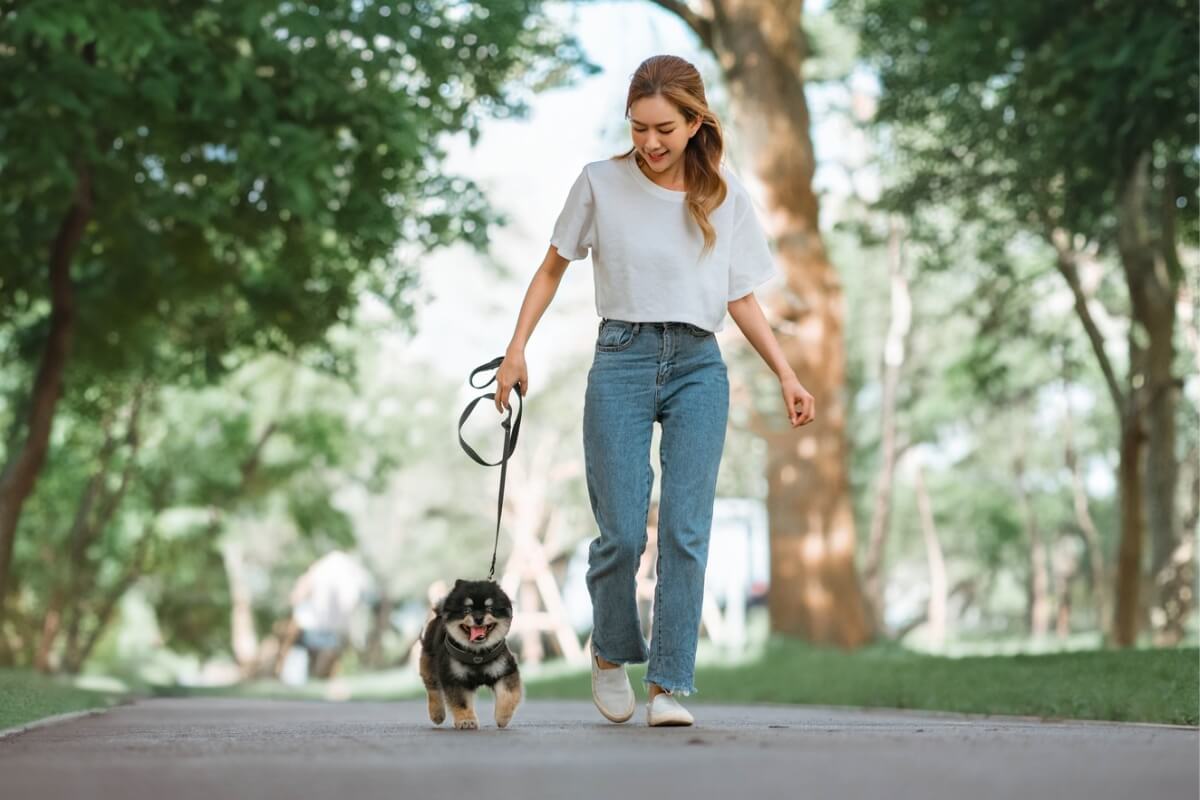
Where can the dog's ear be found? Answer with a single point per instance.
(459, 583)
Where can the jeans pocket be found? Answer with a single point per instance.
(615, 335)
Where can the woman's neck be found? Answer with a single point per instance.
(672, 179)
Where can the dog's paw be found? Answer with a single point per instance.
(503, 721)
(437, 719)
(467, 724)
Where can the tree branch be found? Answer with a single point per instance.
(1066, 265)
(700, 24)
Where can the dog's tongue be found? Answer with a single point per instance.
(478, 632)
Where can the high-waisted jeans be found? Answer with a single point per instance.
(646, 372)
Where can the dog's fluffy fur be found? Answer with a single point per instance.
(484, 607)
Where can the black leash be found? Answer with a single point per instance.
(509, 444)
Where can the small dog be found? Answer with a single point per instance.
(463, 648)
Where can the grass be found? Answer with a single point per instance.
(1158, 685)
(1147, 685)
(1132, 685)
(27, 696)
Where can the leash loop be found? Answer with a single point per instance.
(511, 429)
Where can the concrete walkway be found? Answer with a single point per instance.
(178, 749)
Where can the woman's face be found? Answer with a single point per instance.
(658, 129)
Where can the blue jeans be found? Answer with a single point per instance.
(646, 372)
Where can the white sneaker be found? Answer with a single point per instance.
(611, 690)
(664, 709)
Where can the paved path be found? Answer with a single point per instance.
(178, 749)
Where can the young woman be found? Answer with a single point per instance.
(675, 244)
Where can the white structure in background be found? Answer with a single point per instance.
(738, 573)
(329, 602)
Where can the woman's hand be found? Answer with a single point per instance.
(511, 372)
(799, 403)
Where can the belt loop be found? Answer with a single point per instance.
(636, 327)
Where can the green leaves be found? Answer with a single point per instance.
(225, 143)
(1058, 99)
(256, 168)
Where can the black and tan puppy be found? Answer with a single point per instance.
(463, 648)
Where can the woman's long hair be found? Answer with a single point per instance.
(679, 82)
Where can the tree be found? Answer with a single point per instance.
(1072, 122)
(815, 594)
(197, 183)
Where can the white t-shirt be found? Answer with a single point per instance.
(646, 247)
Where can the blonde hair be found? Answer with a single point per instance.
(679, 82)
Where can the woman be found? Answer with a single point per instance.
(675, 244)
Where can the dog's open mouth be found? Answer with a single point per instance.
(477, 633)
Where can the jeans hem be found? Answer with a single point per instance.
(682, 689)
(634, 660)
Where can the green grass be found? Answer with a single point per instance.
(1134, 685)
(1159, 685)
(1147, 685)
(27, 696)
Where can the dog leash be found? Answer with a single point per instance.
(510, 443)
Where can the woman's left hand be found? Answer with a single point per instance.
(799, 403)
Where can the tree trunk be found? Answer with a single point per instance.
(938, 596)
(1147, 252)
(77, 654)
(1127, 404)
(1129, 556)
(815, 591)
(89, 525)
(899, 324)
(242, 629)
(1083, 519)
(25, 464)
(1039, 582)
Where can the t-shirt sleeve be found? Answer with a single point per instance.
(751, 263)
(573, 230)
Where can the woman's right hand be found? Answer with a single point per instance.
(512, 372)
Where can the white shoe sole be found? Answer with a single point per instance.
(669, 722)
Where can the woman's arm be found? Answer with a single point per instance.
(748, 316)
(537, 297)
(541, 291)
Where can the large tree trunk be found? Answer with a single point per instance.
(1129, 552)
(25, 464)
(1127, 404)
(815, 592)
(1151, 272)
(899, 323)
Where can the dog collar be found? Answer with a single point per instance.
(460, 653)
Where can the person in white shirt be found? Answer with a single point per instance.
(674, 244)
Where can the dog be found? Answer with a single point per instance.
(463, 647)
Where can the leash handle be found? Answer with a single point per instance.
(511, 430)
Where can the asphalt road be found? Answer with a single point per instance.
(178, 749)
